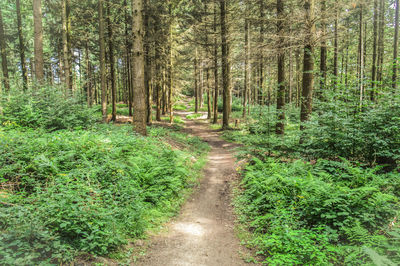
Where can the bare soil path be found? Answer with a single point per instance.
(203, 234)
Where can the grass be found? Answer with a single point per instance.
(215, 126)
(177, 119)
(194, 116)
(180, 107)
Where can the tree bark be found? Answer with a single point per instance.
(246, 64)
(308, 64)
(298, 77)
(289, 96)
(336, 47)
(323, 52)
(381, 42)
(395, 45)
(208, 94)
(139, 101)
(261, 58)
(158, 89)
(361, 57)
(280, 105)
(196, 85)
(147, 72)
(38, 40)
(201, 81)
(21, 46)
(89, 90)
(164, 92)
(66, 45)
(225, 66)
(128, 48)
(4, 63)
(112, 68)
(102, 63)
(374, 52)
(170, 85)
(215, 102)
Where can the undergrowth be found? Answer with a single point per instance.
(86, 188)
(322, 214)
(332, 199)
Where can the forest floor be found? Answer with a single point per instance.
(204, 232)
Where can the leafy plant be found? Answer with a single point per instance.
(46, 108)
(89, 190)
(327, 211)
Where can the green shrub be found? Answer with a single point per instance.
(322, 209)
(88, 190)
(336, 129)
(47, 108)
(370, 136)
(29, 242)
(237, 105)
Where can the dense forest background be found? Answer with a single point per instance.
(309, 88)
(197, 46)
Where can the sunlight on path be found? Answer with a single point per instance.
(204, 233)
(190, 229)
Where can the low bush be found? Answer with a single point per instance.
(303, 214)
(46, 108)
(372, 136)
(237, 105)
(87, 191)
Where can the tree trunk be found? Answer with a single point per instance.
(147, 72)
(346, 68)
(395, 45)
(102, 63)
(201, 81)
(65, 41)
(374, 52)
(170, 85)
(139, 101)
(289, 93)
(361, 58)
(308, 64)
(111, 61)
(215, 102)
(225, 66)
(261, 57)
(208, 94)
(38, 40)
(158, 89)
(336, 48)
(196, 85)
(298, 77)
(129, 80)
(246, 64)
(4, 64)
(21, 46)
(164, 92)
(323, 53)
(381, 42)
(280, 125)
(89, 90)
(128, 48)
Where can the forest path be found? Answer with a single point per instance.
(203, 234)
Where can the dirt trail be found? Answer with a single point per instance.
(203, 234)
